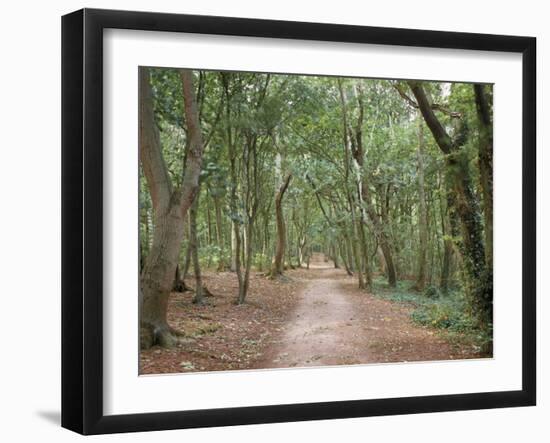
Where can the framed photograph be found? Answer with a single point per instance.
(268, 221)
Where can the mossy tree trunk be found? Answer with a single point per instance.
(485, 158)
(422, 213)
(466, 207)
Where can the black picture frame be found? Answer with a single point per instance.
(82, 218)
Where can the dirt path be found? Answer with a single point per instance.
(316, 317)
(334, 323)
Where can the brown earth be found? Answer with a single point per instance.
(312, 317)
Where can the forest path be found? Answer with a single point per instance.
(334, 323)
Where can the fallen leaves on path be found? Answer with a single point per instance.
(314, 317)
(221, 335)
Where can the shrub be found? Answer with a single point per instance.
(432, 292)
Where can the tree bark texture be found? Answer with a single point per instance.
(194, 246)
(485, 125)
(422, 214)
(278, 260)
(466, 207)
(170, 207)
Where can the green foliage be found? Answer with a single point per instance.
(432, 292)
(212, 255)
(432, 309)
(250, 119)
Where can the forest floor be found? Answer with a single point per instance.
(312, 317)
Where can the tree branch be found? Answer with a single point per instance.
(441, 137)
(434, 106)
(316, 192)
(150, 152)
(195, 146)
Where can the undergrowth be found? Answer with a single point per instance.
(448, 313)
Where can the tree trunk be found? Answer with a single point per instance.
(288, 248)
(141, 258)
(446, 267)
(365, 199)
(170, 207)
(234, 252)
(219, 234)
(381, 261)
(277, 268)
(448, 247)
(243, 287)
(350, 268)
(465, 205)
(157, 279)
(179, 282)
(365, 253)
(485, 125)
(422, 214)
(236, 230)
(383, 225)
(357, 254)
(301, 249)
(343, 255)
(194, 246)
(187, 261)
(353, 144)
(334, 255)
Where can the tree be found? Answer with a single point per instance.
(422, 214)
(194, 248)
(278, 261)
(250, 118)
(485, 127)
(464, 202)
(296, 164)
(170, 206)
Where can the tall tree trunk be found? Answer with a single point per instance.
(265, 244)
(243, 288)
(302, 250)
(466, 206)
(485, 125)
(219, 234)
(334, 255)
(422, 213)
(235, 224)
(277, 268)
(447, 245)
(141, 258)
(446, 267)
(170, 207)
(234, 251)
(194, 246)
(343, 256)
(381, 260)
(353, 145)
(357, 254)
(365, 253)
(236, 236)
(288, 248)
(382, 225)
(365, 199)
(188, 252)
(350, 268)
